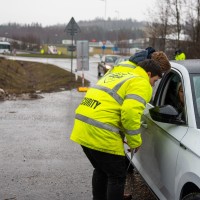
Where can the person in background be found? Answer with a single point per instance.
(179, 55)
(109, 114)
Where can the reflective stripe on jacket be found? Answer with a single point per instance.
(112, 109)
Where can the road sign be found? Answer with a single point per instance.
(72, 27)
(71, 48)
(82, 55)
(103, 47)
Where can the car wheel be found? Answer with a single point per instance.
(99, 74)
(98, 71)
(192, 196)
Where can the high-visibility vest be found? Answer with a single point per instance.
(112, 110)
(180, 56)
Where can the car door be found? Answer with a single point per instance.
(156, 159)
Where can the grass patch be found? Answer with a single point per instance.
(27, 77)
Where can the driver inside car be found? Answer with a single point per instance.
(180, 102)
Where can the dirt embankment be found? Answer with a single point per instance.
(26, 79)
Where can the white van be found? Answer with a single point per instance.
(5, 48)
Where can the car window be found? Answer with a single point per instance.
(195, 80)
(122, 59)
(155, 87)
(171, 92)
(114, 58)
(109, 60)
(117, 61)
(167, 92)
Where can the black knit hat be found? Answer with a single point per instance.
(150, 50)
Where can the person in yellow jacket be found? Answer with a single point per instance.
(179, 55)
(110, 113)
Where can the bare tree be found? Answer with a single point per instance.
(192, 29)
(179, 10)
(193, 21)
(158, 27)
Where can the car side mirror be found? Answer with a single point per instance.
(165, 114)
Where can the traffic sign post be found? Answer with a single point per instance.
(82, 59)
(82, 55)
(72, 29)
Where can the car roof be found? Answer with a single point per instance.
(192, 65)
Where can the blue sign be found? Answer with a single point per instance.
(103, 47)
(116, 49)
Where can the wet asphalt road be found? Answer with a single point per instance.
(37, 159)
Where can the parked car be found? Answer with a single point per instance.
(121, 59)
(107, 61)
(169, 158)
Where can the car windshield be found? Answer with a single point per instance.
(110, 59)
(195, 80)
(119, 60)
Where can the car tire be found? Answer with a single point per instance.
(98, 71)
(192, 196)
(99, 74)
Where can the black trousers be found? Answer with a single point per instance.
(109, 175)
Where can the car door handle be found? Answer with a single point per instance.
(183, 146)
(144, 124)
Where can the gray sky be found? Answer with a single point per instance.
(51, 12)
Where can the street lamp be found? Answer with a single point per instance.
(117, 30)
(117, 11)
(105, 8)
(105, 1)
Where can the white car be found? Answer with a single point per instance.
(169, 158)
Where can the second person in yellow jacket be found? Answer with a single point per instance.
(180, 55)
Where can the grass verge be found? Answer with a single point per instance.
(17, 77)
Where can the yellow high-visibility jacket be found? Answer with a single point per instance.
(180, 56)
(112, 110)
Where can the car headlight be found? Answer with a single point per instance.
(107, 66)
